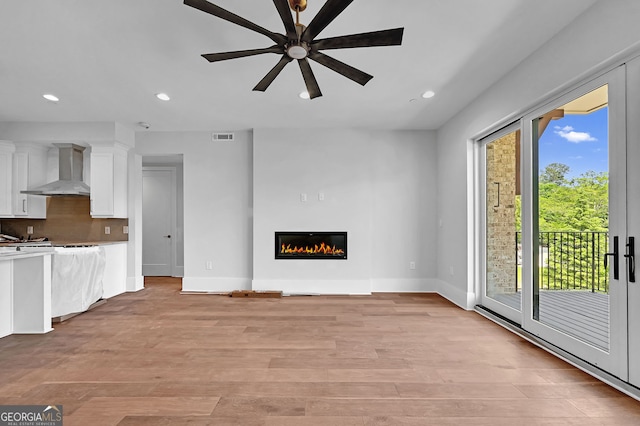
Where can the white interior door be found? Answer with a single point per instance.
(158, 221)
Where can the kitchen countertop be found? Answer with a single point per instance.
(7, 254)
(61, 243)
(58, 243)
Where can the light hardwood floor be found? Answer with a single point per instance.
(157, 357)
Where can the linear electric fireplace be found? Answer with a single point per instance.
(311, 245)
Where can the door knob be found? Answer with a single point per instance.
(631, 259)
(167, 236)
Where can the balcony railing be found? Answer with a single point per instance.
(569, 261)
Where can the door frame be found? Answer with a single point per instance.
(615, 361)
(633, 206)
(173, 197)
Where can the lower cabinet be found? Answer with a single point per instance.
(115, 272)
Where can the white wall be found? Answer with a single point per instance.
(380, 187)
(602, 32)
(217, 205)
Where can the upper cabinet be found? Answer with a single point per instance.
(22, 166)
(6, 178)
(29, 171)
(109, 180)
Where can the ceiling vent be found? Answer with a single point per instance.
(223, 137)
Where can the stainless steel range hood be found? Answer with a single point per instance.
(70, 182)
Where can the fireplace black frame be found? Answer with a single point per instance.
(338, 238)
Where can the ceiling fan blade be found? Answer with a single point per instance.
(215, 57)
(287, 18)
(348, 71)
(326, 15)
(221, 13)
(309, 79)
(376, 38)
(271, 75)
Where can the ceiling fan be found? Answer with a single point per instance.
(300, 42)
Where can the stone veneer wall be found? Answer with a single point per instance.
(501, 219)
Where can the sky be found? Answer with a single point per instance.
(579, 141)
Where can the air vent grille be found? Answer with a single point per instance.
(228, 137)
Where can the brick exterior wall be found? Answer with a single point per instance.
(501, 219)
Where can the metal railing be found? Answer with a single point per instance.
(569, 261)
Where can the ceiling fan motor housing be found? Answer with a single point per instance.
(298, 50)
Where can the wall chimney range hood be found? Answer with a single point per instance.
(70, 182)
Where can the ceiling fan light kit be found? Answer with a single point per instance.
(300, 42)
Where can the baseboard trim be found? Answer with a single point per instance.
(404, 285)
(314, 287)
(215, 285)
(463, 299)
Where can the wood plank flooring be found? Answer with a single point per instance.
(158, 357)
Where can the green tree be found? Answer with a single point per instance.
(577, 208)
(554, 173)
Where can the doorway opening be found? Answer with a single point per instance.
(162, 216)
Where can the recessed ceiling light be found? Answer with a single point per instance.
(428, 94)
(304, 95)
(50, 97)
(163, 96)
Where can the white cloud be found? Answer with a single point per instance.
(569, 134)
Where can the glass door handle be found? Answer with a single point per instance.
(631, 259)
(616, 256)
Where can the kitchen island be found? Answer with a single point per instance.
(27, 273)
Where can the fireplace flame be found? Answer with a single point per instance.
(316, 249)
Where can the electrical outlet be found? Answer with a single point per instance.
(320, 196)
(303, 197)
(209, 265)
(412, 265)
(125, 229)
(30, 230)
(107, 230)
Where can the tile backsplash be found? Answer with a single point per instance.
(68, 219)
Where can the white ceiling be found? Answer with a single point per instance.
(106, 59)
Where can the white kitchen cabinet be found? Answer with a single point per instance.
(6, 298)
(109, 180)
(25, 293)
(114, 281)
(29, 171)
(6, 178)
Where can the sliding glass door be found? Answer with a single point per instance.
(577, 297)
(501, 207)
(633, 218)
(558, 213)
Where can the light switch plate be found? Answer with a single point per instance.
(107, 230)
